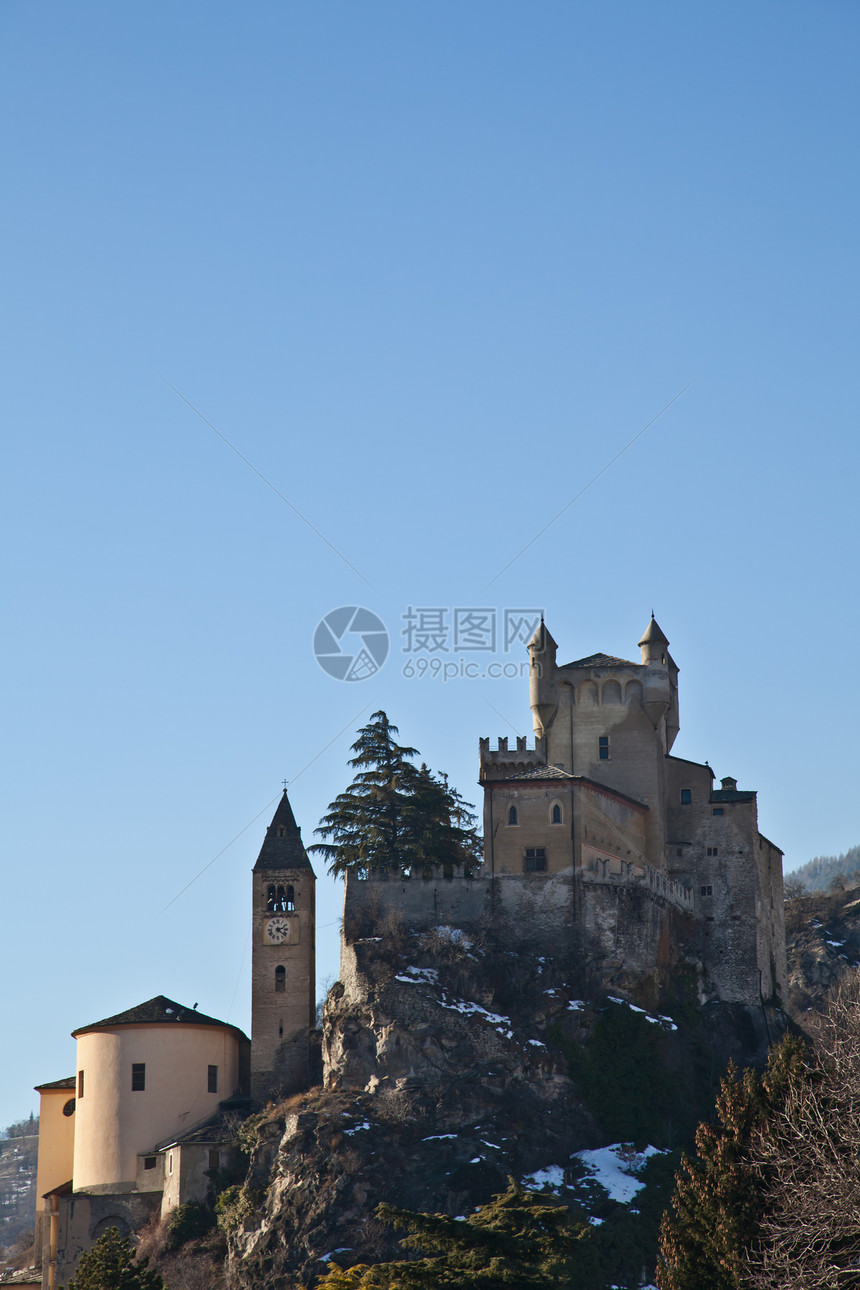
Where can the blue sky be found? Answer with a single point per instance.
(428, 267)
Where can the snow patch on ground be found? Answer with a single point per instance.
(356, 1128)
(576, 1005)
(440, 1137)
(468, 1009)
(455, 935)
(666, 1022)
(419, 976)
(615, 1168)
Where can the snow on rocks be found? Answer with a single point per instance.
(666, 1022)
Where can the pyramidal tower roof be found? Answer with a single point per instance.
(654, 634)
(282, 846)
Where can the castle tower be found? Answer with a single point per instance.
(542, 686)
(283, 983)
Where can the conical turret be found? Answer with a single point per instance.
(655, 656)
(542, 651)
(654, 643)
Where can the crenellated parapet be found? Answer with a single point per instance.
(503, 761)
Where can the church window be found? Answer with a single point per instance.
(535, 860)
(603, 747)
(556, 813)
(213, 1079)
(291, 898)
(271, 897)
(718, 810)
(512, 815)
(280, 979)
(686, 796)
(69, 1108)
(80, 1083)
(138, 1077)
(214, 1159)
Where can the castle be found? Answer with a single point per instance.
(597, 832)
(596, 839)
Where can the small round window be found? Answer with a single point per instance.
(69, 1108)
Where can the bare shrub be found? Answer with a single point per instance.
(808, 1164)
(152, 1239)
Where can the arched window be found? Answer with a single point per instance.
(281, 899)
(556, 813)
(280, 979)
(512, 815)
(291, 898)
(271, 897)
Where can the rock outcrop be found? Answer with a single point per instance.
(452, 1063)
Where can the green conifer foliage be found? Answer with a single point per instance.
(110, 1265)
(717, 1206)
(394, 816)
(518, 1241)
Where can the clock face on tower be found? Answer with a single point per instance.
(278, 930)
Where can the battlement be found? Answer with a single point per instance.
(500, 762)
(639, 873)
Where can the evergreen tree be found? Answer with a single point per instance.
(110, 1265)
(717, 1206)
(519, 1241)
(394, 816)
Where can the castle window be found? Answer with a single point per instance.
(291, 898)
(718, 810)
(213, 1079)
(149, 1162)
(603, 747)
(281, 1029)
(713, 851)
(214, 1159)
(512, 815)
(80, 1083)
(686, 796)
(556, 814)
(535, 860)
(170, 1163)
(280, 979)
(138, 1077)
(707, 891)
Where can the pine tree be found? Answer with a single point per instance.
(394, 816)
(519, 1241)
(717, 1204)
(110, 1265)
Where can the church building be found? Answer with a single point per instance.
(147, 1121)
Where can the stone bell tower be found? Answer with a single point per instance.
(283, 998)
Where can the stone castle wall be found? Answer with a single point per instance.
(624, 928)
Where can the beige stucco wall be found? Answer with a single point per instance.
(115, 1124)
(56, 1141)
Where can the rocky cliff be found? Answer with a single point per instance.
(454, 1062)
